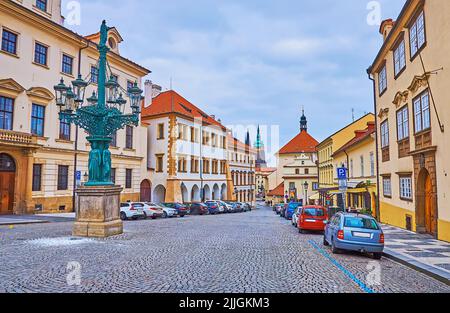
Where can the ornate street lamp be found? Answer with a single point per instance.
(102, 115)
(306, 185)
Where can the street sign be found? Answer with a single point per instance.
(78, 175)
(343, 186)
(342, 173)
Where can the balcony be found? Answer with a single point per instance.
(17, 138)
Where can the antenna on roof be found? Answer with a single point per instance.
(353, 114)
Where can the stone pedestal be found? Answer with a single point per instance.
(98, 212)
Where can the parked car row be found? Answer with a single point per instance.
(342, 231)
(144, 210)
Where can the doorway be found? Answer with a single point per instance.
(146, 191)
(7, 181)
(426, 204)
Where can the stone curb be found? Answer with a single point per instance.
(428, 270)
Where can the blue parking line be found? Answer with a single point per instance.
(347, 273)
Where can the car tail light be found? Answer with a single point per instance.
(340, 235)
(382, 238)
(132, 208)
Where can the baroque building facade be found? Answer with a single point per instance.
(42, 159)
(411, 76)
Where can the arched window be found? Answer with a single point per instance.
(7, 163)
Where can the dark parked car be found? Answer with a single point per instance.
(182, 209)
(213, 208)
(198, 208)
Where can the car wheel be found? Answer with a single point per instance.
(333, 248)
(165, 215)
(377, 256)
(154, 217)
(123, 216)
(325, 242)
(301, 231)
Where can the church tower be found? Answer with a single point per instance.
(303, 122)
(260, 151)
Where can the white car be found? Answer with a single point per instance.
(219, 205)
(131, 210)
(168, 212)
(153, 210)
(295, 216)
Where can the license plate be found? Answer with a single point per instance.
(310, 221)
(362, 235)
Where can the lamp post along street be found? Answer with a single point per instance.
(101, 116)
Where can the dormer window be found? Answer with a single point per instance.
(417, 35)
(112, 43)
(41, 5)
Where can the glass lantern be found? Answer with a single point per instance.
(121, 102)
(135, 94)
(112, 90)
(61, 92)
(92, 100)
(70, 101)
(79, 87)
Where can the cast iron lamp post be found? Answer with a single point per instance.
(103, 114)
(306, 185)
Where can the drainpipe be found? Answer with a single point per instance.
(75, 158)
(377, 202)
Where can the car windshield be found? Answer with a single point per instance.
(313, 212)
(361, 222)
(293, 206)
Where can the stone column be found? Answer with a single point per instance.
(28, 208)
(98, 212)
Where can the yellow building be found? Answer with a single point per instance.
(411, 78)
(328, 184)
(37, 151)
(358, 156)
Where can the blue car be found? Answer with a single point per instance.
(291, 209)
(354, 232)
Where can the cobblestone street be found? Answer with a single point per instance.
(248, 252)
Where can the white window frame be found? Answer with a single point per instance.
(417, 35)
(382, 80)
(406, 187)
(384, 134)
(422, 115)
(403, 123)
(399, 58)
(387, 187)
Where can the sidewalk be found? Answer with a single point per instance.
(421, 252)
(11, 220)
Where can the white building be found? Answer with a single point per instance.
(186, 150)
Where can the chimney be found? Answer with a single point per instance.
(156, 90)
(148, 93)
(386, 27)
(213, 117)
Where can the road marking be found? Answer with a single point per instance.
(347, 273)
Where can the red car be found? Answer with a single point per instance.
(312, 218)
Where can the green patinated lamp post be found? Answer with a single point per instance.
(102, 115)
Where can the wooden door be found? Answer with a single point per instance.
(429, 211)
(6, 192)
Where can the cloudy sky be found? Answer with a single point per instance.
(254, 62)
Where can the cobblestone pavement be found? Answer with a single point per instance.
(248, 252)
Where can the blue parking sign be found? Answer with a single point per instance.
(78, 176)
(342, 173)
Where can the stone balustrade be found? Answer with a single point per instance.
(17, 137)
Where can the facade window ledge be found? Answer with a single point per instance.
(64, 141)
(41, 138)
(47, 14)
(10, 54)
(67, 75)
(114, 148)
(41, 65)
(129, 150)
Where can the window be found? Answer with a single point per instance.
(422, 112)
(94, 74)
(387, 191)
(417, 36)
(114, 140)
(402, 123)
(113, 175)
(129, 137)
(362, 166)
(130, 84)
(63, 177)
(160, 131)
(37, 120)
(307, 171)
(384, 134)
(67, 64)
(406, 188)
(159, 163)
(194, 165)
(64, 130)
(382, 80)
(315, 186)
(128, 178)
(37, 177)
(6, 113)
(297, 171)
(182, 165)
(9, 42)
(399, 58)
(41, 5)
(372, 164)
(351, 168)
(40, 54)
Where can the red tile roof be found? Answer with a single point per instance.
(360, 135)
(267, 169)
(172, 102)
(277, 192)
(236, 143)
(302, 143)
